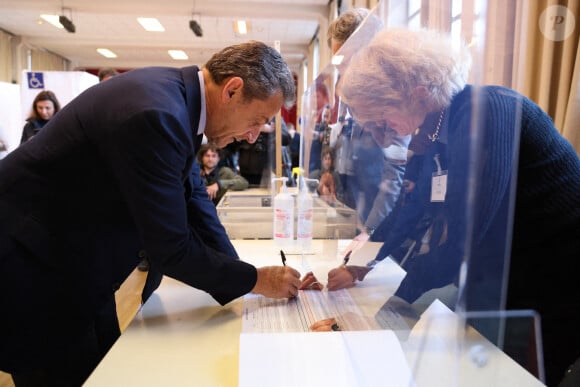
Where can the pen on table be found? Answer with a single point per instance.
(346, 257)
(283, 256)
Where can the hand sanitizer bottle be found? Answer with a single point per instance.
(283, 216)
(305, 217)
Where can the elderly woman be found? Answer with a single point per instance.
(490, 136)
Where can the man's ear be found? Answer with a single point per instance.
(231, 87)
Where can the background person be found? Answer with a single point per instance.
(257, 159)
(218, 180)
(294, 145)
(107, 73)
(329, 187)
(376, 162)
(80, 201)
(320, 139)
(44, 106)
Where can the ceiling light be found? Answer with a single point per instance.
(241, 27)
(106, 53)
(150, 24)
(178, 54)
(196, 28)
(52, 19)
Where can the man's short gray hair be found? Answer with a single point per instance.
(261, 67)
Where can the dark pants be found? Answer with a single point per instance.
(50, 339)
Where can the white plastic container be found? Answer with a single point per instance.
(305, 215)
(283, 216)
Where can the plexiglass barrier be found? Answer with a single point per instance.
(403, 130)
(400, 129)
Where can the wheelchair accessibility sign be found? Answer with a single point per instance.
(35, 80)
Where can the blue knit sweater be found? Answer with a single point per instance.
(503, 150)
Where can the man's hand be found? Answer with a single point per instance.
(212, 190)
(309, 282)
(340, 278)
(277, 282)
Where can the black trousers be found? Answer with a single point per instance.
(74, 365)
(44, 342)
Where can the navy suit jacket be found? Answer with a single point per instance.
(112, 173)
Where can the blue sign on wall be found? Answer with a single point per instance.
(35, 80)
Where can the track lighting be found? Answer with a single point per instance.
(67, 24)
(196, 28)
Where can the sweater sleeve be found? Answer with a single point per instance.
(480, 162)
(230, 180)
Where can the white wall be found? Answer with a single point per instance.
(10, 116)
(16, 100)
(66, 85)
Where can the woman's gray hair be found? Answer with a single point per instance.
(387, 72)
(261, 67)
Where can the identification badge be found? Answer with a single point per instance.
(438, 186)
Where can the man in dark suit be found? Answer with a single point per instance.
(110, 175)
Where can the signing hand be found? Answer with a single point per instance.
(277, 282)
(309, 282)
(340, 278)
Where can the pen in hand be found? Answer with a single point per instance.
(346, 257)
(283, 256)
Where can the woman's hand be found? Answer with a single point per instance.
(362, 237)
(340, 278)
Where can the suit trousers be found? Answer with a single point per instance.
(43, 344)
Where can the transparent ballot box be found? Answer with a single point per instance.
(426, 152)
(237, 208)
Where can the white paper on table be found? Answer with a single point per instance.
(349, 359)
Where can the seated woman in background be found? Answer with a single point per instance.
(329, 186)
(44, 106)
(217, 180)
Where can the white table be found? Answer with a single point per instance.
(182, 337)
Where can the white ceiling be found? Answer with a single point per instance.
(113, 24)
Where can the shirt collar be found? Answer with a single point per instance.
(203, 112)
